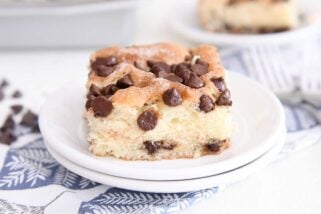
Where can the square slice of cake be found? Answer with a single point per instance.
(159, 101)
(248, 16)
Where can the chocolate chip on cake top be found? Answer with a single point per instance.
(172, 97)
(206, 103)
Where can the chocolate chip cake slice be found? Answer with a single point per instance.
(248, 16)
(160, 101)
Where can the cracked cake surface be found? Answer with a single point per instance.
(248, 16)
(159, 101)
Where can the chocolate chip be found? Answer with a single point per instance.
(219, 84)
(30, 119)
(152, 146)
(173, 68)
(88, 103)
(194, 81)
(124, 82)
(201, 62)
(91, 97)
(7, 137)
(174, 78)
(16, 94)
(98, 61)
(104, 71)
(8, 124)
(206, 103)
(35, 129)
(172, 97)
(169, 76)
(16, 109)
(150, 63)
(4, 83)
(199, 69)
(106, 61)
(182, 71)
(109, 90)
(111, 61)
(94, 90)
(156, 69)
(224, 99)
(214, 145)
(1, 94)
(231, 2)
(102, 107)
(158, 66)
(147, 120)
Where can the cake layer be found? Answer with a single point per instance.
(183, 127)
(248, 16)
(159, 101)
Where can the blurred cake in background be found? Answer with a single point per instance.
(248, 16)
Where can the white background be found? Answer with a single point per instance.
(290, 186)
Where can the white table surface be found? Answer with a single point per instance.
(290, 186)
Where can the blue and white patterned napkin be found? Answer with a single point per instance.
(31, 181)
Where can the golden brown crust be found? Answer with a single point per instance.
(147, 87)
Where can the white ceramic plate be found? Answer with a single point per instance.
(175, 186)
(258, 114)
(184, 21)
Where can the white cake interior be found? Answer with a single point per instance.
(188, 127)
